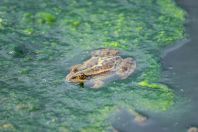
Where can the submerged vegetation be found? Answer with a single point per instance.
(39, 43)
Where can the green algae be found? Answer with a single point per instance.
(44, 40)
(165, 91)
(45, 18)
(28, 31)
(1, 23)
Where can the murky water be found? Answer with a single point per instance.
(181, 67)
(40, 42)
(180, 72)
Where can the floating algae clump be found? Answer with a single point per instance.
(45, 18)
(41, 41)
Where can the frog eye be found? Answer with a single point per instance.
(82, 77)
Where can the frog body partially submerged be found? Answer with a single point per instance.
(105, 65)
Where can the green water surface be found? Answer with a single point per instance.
(40, 40)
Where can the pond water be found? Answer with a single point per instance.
(40, 41)
(181, 67)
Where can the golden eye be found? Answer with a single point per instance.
(82, 77)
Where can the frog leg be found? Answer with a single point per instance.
(98, 84)
(105, 79)
(94, 83)
(126, 68)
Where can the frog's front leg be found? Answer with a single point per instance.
(98, 84)
(94, 84)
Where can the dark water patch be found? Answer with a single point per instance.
(181, 68)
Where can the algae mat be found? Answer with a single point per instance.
(39, 41)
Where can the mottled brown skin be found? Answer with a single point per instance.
(104, 65)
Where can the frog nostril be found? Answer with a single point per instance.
(83, 77)
(75, 70)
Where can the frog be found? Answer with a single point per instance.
(104, 66)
